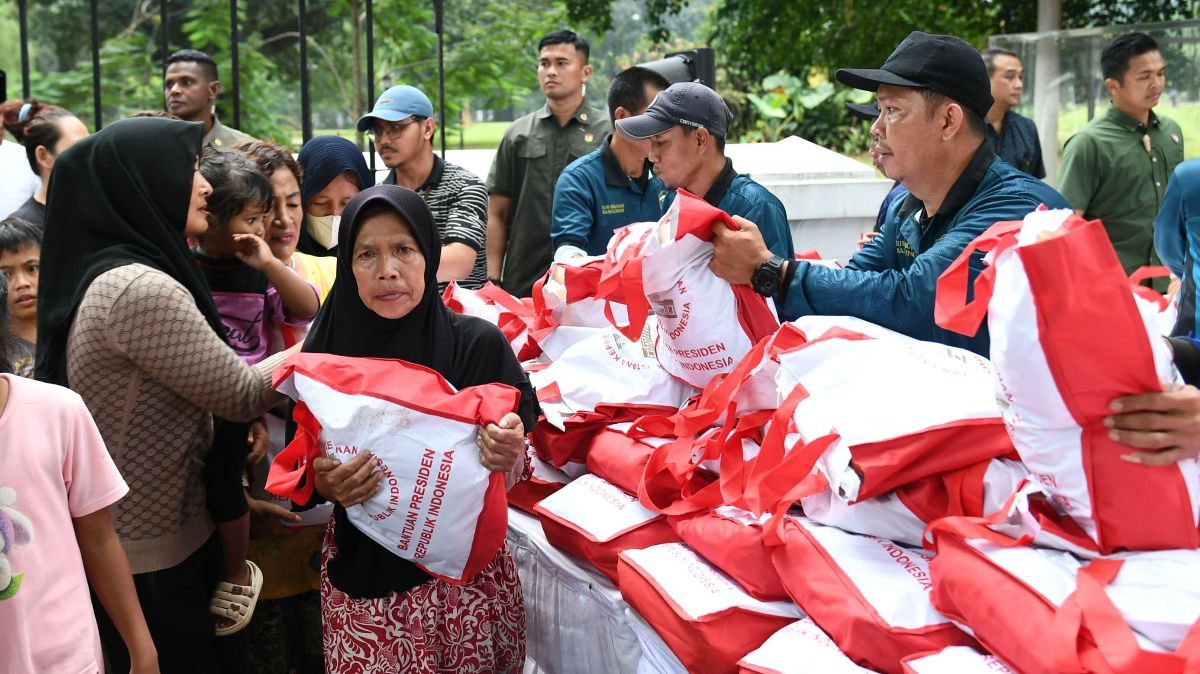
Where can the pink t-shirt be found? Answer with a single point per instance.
(53, 467)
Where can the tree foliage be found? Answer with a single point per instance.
(769, 51)
(489, 54)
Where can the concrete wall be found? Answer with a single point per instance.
(829, 198)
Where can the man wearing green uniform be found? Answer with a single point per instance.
(1116, 169)
(534, 151)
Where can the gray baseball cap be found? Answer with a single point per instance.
(681, 104)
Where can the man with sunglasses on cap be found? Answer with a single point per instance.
(933, 94)
(687, 124)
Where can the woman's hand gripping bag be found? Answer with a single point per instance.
(438, 506)
(705, 325)
(708, 622)
(1067, 337)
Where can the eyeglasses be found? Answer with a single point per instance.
(393, 130)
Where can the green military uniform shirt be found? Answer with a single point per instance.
(1111, 174)
(534, 151)
(223, 137)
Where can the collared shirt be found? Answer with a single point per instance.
(737, 194)
(533, 153)
(458, 201)
(1111, 174)
(1017, 143)
(892, 280)
(225, 138)
(594, 197)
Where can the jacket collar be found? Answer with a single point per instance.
(717, 192)
(960, 192)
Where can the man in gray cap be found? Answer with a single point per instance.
(402, 126)
(687, 124)
(933, 94)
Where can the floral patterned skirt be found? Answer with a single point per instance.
(437, 627)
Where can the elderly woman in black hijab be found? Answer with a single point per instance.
(382, 613)
(126, 320)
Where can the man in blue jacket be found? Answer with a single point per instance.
(612, 186)
(687, 124)
(933, 94)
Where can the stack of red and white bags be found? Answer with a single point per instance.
(761, 493)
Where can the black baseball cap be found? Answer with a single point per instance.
(943, 63)
(681, 104)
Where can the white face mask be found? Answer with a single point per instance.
(324, 228)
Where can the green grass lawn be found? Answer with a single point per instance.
(478, 136)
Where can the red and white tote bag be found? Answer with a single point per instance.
(1134, 612)
(903, 409)
(705, 618)
(1067, 337)
(608, 368)
(870, 595)
(902, 515)
(799, 648)
(695, 336)
(493, 304)
(438, 506)
(595, 520)
(955, 660)
(733, 540)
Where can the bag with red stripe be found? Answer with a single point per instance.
(1133, 613)
(619, 458)
(665, 268)
(1067, 337)
(706, 620)
(902, 409)
(607, 368)
(902, 515)
(733, 540)
(869, 594)
(595, 520)
(438, 506)
(955, 660)
(799, 648)
(566, 296)
(494, 305)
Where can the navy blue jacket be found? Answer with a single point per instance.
(892, 280)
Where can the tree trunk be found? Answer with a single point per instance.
(1046, 84)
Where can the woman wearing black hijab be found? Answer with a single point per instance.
(126, 320)
(385, 304)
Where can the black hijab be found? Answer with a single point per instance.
(118, 197)
(466, 351)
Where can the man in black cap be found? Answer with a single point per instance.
(687, 124)
(933, 94)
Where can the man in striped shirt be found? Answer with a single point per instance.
(402, 125)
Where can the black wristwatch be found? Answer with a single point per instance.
(768, 277)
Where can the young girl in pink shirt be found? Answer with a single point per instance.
(56, 483)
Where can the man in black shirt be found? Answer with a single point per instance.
(1014, 138)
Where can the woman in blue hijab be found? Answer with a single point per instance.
(334, 171)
